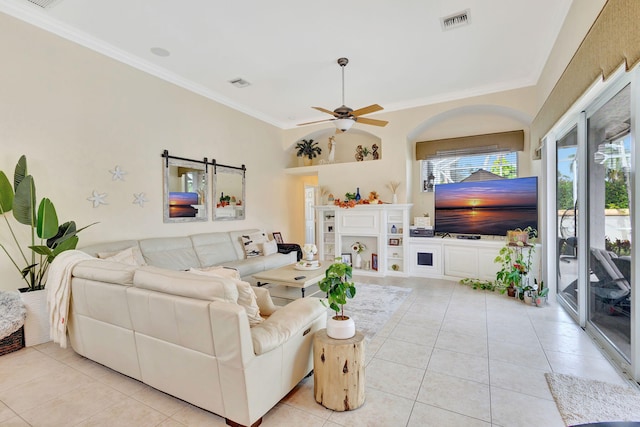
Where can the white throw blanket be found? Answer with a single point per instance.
(59, 285)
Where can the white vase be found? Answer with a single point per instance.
(309, 256)
(358, 261)
(394, 199)
(36, 325)
(340, 329)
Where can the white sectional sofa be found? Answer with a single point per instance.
(187, 334)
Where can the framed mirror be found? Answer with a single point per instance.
(186, 186)
(228, 192)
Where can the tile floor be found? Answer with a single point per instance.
(450, 356)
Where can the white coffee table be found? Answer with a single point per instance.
(291, 277)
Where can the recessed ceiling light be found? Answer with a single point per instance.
(160, 51)
(239, 82)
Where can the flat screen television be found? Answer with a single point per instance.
(486, 207)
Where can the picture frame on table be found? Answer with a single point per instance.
(394, 242)
(346, 258)
(277, 236)
(374, 262)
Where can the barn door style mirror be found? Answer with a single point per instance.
(186, 188)
(228, 192)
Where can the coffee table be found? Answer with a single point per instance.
(292, 277)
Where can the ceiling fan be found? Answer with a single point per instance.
(344, 117)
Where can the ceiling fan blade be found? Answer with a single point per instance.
(317, 121)
(324, 110)
(366, 110)
(366, 121)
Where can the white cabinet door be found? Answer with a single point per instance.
(355, 222)
(460, 261)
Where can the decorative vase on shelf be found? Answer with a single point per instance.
(394, 230)
(358, 194)
(358, 261)
(394, 200)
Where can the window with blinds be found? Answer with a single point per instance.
(455, 166)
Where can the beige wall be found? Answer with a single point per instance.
(77, 114)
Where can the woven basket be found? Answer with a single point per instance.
(13, 342)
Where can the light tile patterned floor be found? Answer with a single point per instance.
(450, 356)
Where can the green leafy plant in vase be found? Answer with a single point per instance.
(48, 239)
(515, 261)
(338, 287)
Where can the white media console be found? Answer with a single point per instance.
(384, 230)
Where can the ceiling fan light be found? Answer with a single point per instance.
(343, 124)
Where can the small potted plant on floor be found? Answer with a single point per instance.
(338, 286)
(309, 150)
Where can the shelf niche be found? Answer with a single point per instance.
(345, 145)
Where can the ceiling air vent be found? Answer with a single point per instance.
(239, 82)
(456, 20)
(44, 3)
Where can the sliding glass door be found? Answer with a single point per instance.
(609, 147)
(567, 218)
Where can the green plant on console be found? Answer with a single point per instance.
(338, 286)
(308, 149)
(43, 222)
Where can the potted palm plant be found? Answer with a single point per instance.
(309, 150)
(47, 240)
(338, 286)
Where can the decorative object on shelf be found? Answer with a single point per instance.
(394, 185)
(395, 267)
(338, 286)
(97, 199)
(358, 248)
(117, 174)
(309, 250)
(517, 236)
(359, 153)
(323, 191)
(422, 221)
(346, 258)
(394, 242)
(330, 198)
(42, 220)
(374, 152)
(394, 230)
(374, 262)
(309, 150)
(358, 197)
(365, 152)
(540, 299)
(332, 149)
(139, 199)
(373, 198)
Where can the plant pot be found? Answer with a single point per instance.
(540, 301)
(341, 327)
(306, 161)
(36, 325)
(511, 291)
(528, 299)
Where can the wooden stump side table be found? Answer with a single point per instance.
(338, 371)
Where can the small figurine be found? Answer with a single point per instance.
(332, 149)
(374, 152)
(359, 153)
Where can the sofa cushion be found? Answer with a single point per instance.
(253, 243)
(105, 271)
(269, 247)
(175, 253)
(186, 284)
(112, 247)
(284, 323)
(214, 248)
(131, 256)
(236, 240)
(246, 296)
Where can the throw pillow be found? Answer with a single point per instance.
(131, 256)
(246, 296)
(251, 243)
(269, 247)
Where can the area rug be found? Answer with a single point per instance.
(374, 305)
(582, 401)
